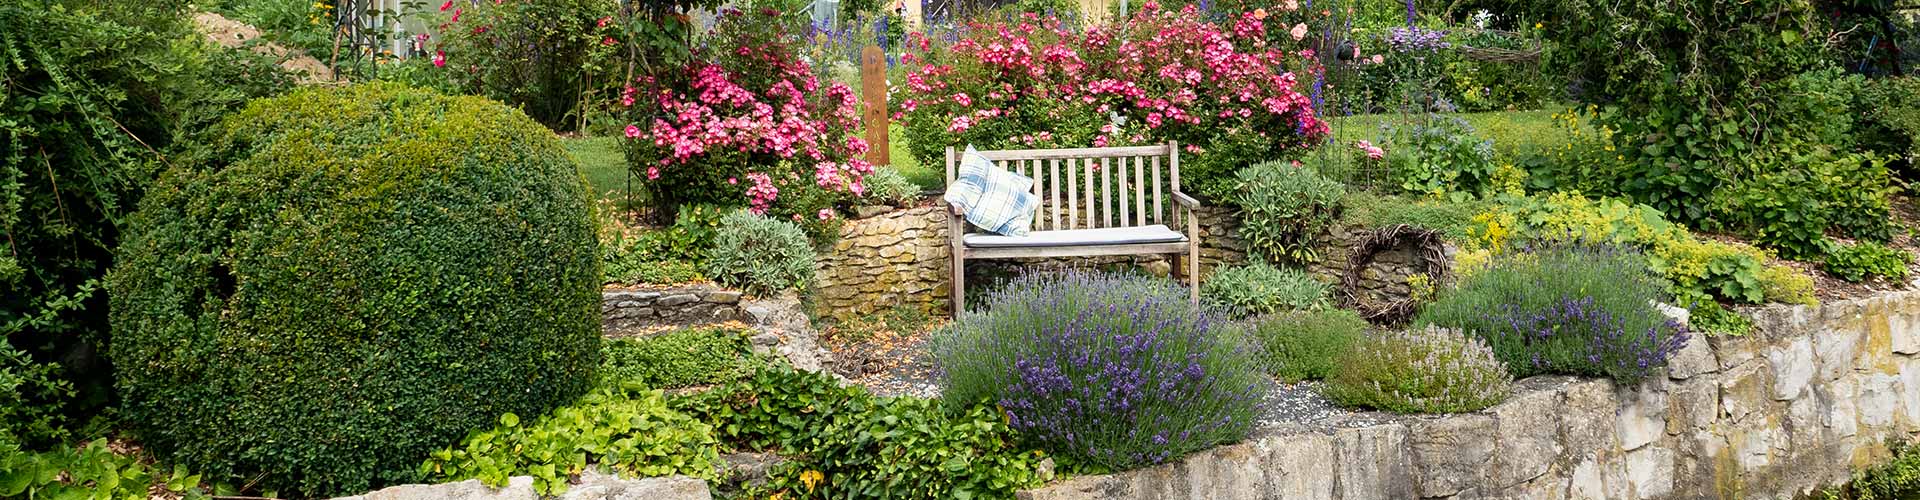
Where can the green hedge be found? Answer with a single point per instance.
(350, 278)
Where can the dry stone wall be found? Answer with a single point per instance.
(1779, 413)
(894, 259)
(649, 308)
(901, 258)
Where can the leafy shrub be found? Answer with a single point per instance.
(852, 445)
(93, 470)
(1565, 310)
(670, 255)
(886, 185)
(1866, 259)
(1695, 268)
(1681, 121)
(1306, 345)
(1787, 285)
(1441, 158)
(1260, 288)
(622, 428)
(1374, 211)
(760, 255)
(347, 248)
(1890, 112)
(680, 358)
(1425, 370)
(913, 448)
(1283, 208)
(1111, 371)
(99, 96)
(547, 57)
(1791, 208)
(1038, 82)
(746, 123)
(1896, 479)
(1711, 318)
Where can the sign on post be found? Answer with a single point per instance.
(873, 96)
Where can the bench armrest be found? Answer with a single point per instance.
(1185, 201)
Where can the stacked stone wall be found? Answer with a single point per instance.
(1785, 411)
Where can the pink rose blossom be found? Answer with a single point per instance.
(445, 6)
(439, 59)
(826, 214)
(1299, 32)
(633, 131)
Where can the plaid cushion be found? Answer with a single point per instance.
(995, 199)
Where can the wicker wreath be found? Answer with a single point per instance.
(1432, 252)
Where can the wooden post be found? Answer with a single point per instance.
(873, 93)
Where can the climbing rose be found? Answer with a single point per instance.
(633, 132)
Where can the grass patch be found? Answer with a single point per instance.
(926, 176)
(1513, 132)
(603, 164)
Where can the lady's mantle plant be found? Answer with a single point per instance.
(1222, 90)
(746, 122)
(1107, 371)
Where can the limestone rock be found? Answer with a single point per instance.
(596, 486)
(1525, 451)
(1372, 462)
(1693, 359)
(517, 488)
(1792, 365)
(1452, 454)
(1650, 472)
(1642, 416)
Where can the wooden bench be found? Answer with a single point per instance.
(1093, 202)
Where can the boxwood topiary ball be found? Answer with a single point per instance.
(348, 278)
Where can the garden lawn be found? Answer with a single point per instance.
(1512, 131)
(601, 161)
(926, 176)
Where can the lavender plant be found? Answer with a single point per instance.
(1106, 371)
(1566, 309)
(1425, 370)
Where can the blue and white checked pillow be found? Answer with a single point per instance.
(995, 199)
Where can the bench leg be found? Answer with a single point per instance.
(1193, 272)
(959, 285)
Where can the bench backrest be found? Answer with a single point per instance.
(1087, 188)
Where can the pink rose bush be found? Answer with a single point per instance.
(1222, 90)
(746, 108)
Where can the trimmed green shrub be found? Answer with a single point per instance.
(885, 185)
(760, 255)
(1260, 288)
(1306, 345)
(1565, 309)
(349, 278)
(680, 358)
(1283, 207)
(1106, 371)
(1867, 259)
(1425, 370)
(622, 427)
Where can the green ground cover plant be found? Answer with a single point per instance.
(679, 358)
(1425, 370)
(1257, 288)
(1308, 345)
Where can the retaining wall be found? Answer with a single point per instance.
(901, 258)
(1787, 410)
(653, 307)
